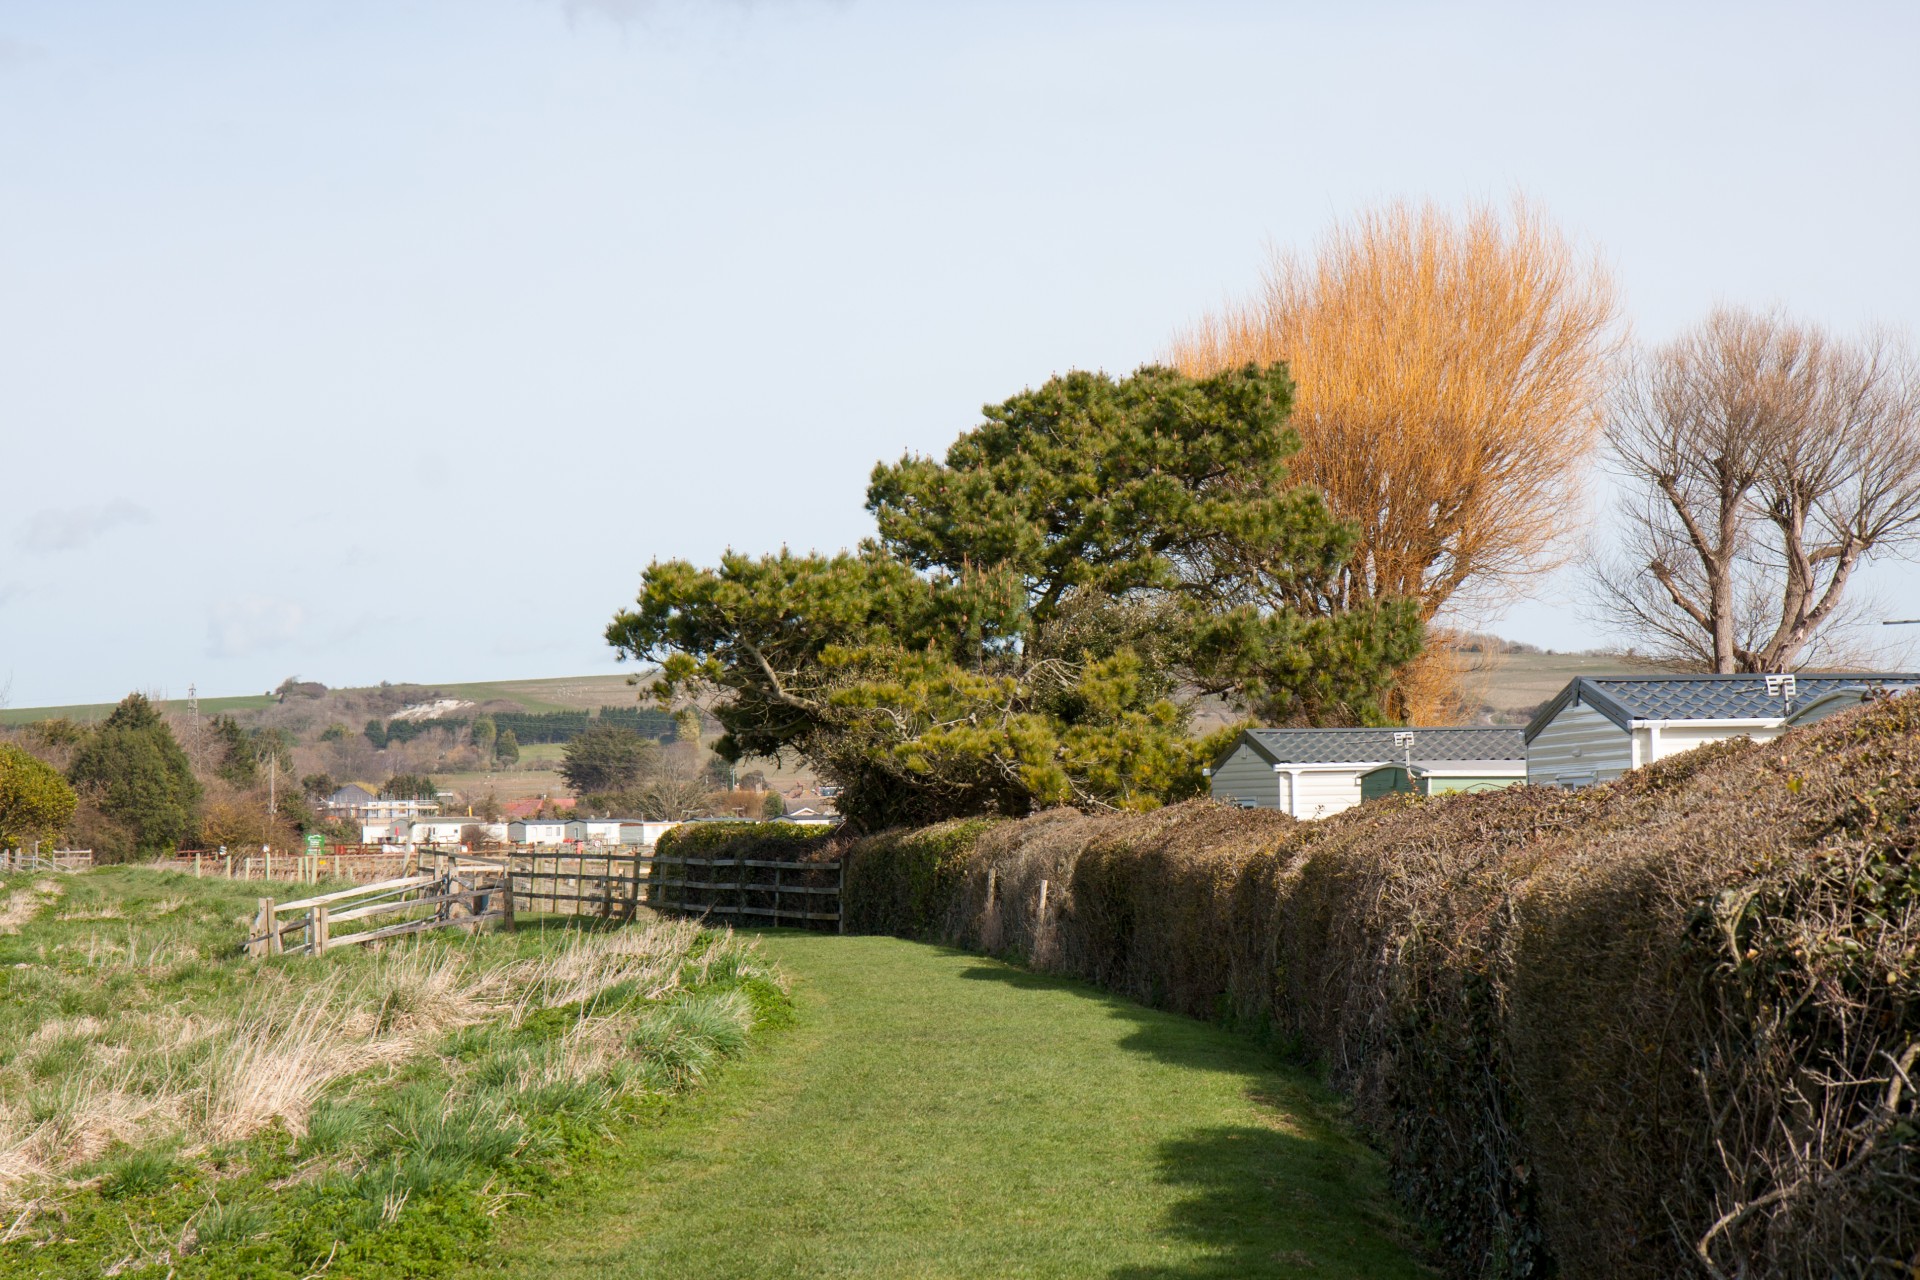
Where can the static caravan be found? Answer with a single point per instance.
(1311, 773)
(643, 833)
(447, 832)
(1829, 704)
(1441, 777)
(1600, 727)
(593, 830)
(537, 831)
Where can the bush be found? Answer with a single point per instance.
(1599, 1033)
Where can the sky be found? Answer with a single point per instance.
(391, 340)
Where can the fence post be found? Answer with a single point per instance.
(257, 944)
(267, 909)
(196, 864)
(320, 927)
(840, 896)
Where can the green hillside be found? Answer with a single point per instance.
(559, 693)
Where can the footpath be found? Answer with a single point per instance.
(935, 1114)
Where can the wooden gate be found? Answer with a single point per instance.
(747, 890)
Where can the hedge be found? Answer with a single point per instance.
(1661, 1027)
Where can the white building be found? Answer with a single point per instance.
(604, 831)
(1600, 727)
(448, 832)
(357, 802)
(643, 832)
(386, 831)
(537, 831)
(1311, 773)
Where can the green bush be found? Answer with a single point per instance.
(772, 840)
(1599, 1033)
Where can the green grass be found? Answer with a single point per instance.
(91, 711)
(935, 1114)
(169, 1107)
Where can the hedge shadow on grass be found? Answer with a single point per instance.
(1261, 1198)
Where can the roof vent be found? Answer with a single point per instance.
(1779, 686)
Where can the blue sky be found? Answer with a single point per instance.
(391, 340)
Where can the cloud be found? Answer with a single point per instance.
(246, 625)
(72, 528)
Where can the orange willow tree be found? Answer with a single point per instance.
(1450, 372)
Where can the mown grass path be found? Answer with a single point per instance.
(934, 1114)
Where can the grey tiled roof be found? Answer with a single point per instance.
(1376, 746)
(1624, 699)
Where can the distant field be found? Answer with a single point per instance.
(100, 710)
(560, 693)
(1514, 682)
(1510, 683)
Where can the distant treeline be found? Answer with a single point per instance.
(529, 727)
(564, 726)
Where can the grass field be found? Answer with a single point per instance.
(168, 1108)
(561, 693)
(87, 712)
(934, 1114)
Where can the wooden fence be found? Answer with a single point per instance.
(466, 890)
(756, 890)
(578, 883)
(461, 894)
(298, 865)
(30, 858)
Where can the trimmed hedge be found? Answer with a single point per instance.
(769, 840)
(1662, 1027)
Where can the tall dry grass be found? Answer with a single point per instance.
(185, 1044)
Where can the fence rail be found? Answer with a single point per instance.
(456, 895)
(467, 890)
(581, 883)
(761, 889)
(29, 858)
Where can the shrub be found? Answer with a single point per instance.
(1664, 1026)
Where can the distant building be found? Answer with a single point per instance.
(1600, 727)
(604, 831)
(809, 818)
(357, 802)
(386, 831)
(643, 833)
(1313, 773)
(1441, 777)
(447, 832)
(537, 831)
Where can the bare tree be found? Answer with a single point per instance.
(1764, 461)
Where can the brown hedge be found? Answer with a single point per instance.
(1658, 1028)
